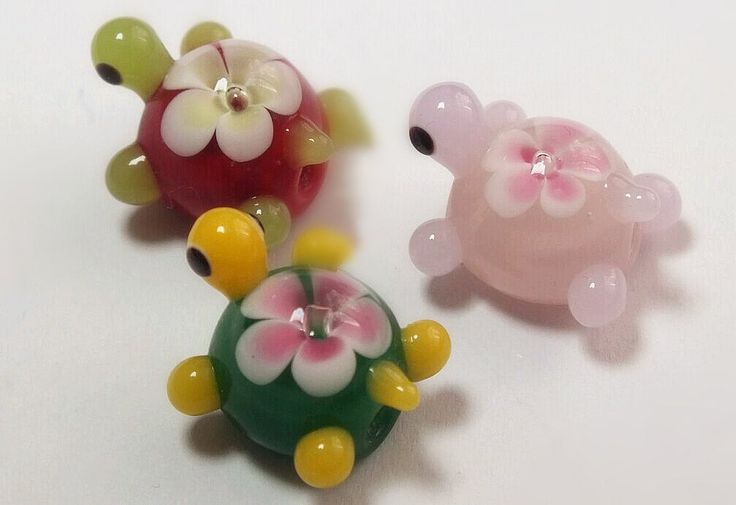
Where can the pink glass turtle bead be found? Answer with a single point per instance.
(542, 209)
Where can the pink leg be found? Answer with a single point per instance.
(435, 248)
(502, 114)
(670, 204)
(597, 295)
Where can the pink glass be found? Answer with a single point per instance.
(542, 209)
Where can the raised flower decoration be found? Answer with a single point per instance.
(229, 90)
(319, 337)
(545, 161)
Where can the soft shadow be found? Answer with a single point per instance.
(214, 436)
(156, 223)
(401, 457)
(459, 288)
(616, 344)
(648, 286)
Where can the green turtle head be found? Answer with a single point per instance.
(127, 51)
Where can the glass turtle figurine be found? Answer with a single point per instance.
(541, 209)
(306, 360)
(229, 121)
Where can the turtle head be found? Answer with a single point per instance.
(228, 248)
(127, 51)
(447, 123)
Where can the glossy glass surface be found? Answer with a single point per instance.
(535, 203)
(209, 178)
(277, 412)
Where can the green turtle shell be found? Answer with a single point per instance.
(276, 415)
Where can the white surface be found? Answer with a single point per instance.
(97, 302)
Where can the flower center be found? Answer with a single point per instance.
(316, 321)
(543, 165)
(236, 98)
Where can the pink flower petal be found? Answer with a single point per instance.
(562, 195)
(323, 367)
(265, 349)
(586, 160)
(513, 190)
(364, 325)
(277, 297)
(200, 68)
(333, 289)
(554, 136)
(510, 147)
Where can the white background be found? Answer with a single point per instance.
(97, 303)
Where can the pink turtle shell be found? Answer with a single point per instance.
(535, 256)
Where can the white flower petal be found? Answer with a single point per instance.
(242, 57)
(509, 147)
(189, 121)
(244, 136)
(276, 86)
(562, 196)
(323, 367)
(512, 190)
(265, 349)
(200, 68)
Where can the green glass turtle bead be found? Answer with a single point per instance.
(277, 414)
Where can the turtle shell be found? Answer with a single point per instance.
(196, 183)
(294, 355)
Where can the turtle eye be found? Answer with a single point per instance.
(421, 140)
(228, 249)
(198, 262)
(109, 74)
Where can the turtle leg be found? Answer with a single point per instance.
(321, 248)
(306, 144)
(426, 348)
(202, 34)
(435, 247)
(324, 458)
(388, 385)
(192, 387)
(129, 177)
(501, 114)
(347, 125)
(273, 215)
(597, 295)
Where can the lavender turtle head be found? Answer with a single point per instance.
(536, 204)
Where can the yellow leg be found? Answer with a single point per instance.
(426, 347)
(321, 248)
(325, 457)
(129, 177)
(203, 34)
(347, 126)
(192, 387)
(387, 385)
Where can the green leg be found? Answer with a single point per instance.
(130, 179)
(347, 125)
(203, 34)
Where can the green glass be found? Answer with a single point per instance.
(277, 415)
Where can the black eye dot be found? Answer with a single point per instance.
(109, 73)
(421, 140)
(198, 262)
(257, 221)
